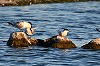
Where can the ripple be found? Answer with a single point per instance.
(80, 17)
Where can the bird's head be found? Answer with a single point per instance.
(67, 30)
(30, 23)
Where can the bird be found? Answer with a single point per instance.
(21, 25)
(62, 34)
(30, 31)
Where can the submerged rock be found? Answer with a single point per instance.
(93, 44)
(19, 39)
(54, 42)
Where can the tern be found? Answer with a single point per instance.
(62, 34)
(21, 25)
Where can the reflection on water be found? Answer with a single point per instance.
(81, 18)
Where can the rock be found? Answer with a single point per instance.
(40, 42)
(29, 2)
(19, 39)
(8, 2)
(62, 43)
(93, 44)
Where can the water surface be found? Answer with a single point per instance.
(81, 18)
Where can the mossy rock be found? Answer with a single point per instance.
(93, 44)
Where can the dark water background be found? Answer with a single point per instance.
(81, 18)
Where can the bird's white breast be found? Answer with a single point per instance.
(64, 33)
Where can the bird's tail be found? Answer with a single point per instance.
(97, 29)
(10, 23)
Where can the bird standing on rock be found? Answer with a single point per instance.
(21, 25)
(24, 25)
(62, 34)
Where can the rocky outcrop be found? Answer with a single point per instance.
(56, 43)
(29, 2)
(93, 44)
(8, 2)
(19, 39)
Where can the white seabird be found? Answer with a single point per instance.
(62, 34)
(21, 25)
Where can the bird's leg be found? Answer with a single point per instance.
(29, 37)
(28, 41)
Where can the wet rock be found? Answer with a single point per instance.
(93, 44)
(40, 42)
(56, 43)
(19, 39)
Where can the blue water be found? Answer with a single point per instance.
(81, 18)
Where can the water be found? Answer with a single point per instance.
(81, 18)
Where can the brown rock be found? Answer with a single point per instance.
(40, 42)
(19, 39)
(7, 2)
(56, 43)
(29, 2)
(93, 44)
